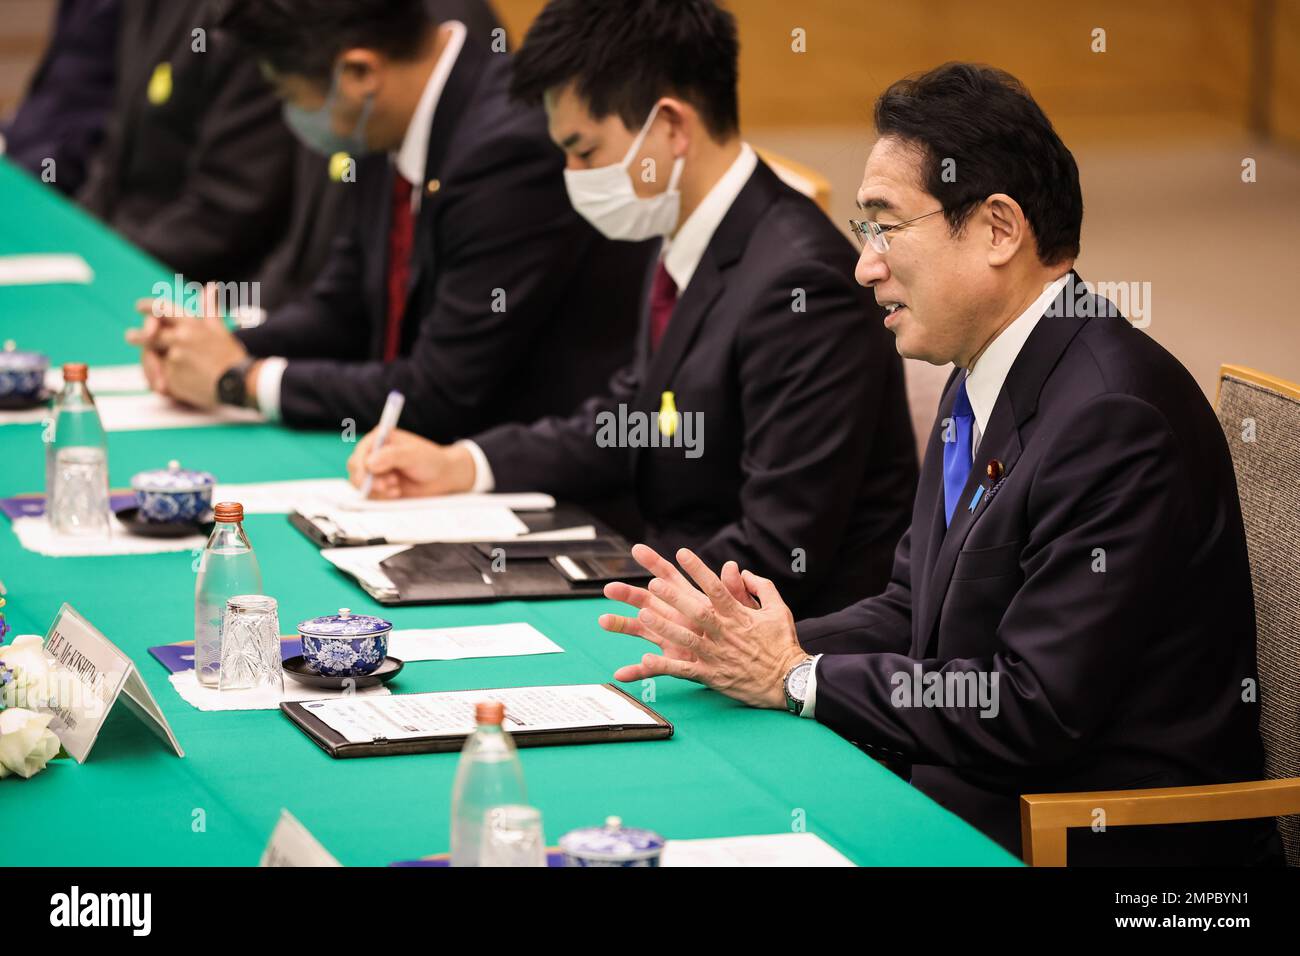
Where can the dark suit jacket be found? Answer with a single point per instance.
(1103, 582)
(498, 231)
(63, 114)
(318, 208)
(808, 449)
(197, 181)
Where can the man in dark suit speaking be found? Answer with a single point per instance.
(764, 417)
(462, 278)
(1071, 608)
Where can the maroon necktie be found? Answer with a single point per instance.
(663, 296)
(401, 234)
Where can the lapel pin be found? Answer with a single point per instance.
(341, 168)
(995, 471)
(668, 415)
(998, 475)
(159, 90)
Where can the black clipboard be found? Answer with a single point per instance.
(334, 744)
(462, 573)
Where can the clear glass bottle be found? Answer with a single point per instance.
(227, 568)
(76, 460)
(489, 775)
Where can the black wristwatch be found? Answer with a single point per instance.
(796, 686)
(232, 388)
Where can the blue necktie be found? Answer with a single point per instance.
(957, 454)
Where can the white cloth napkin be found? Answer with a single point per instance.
(35, 534)
(208, 698)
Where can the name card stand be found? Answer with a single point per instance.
(292, 844)
(90, 674)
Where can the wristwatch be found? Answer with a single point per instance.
(231, 387)
(796, 686)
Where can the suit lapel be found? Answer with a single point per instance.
(705, 287)
(927, 522)
(162, 23)
(707, 283)
(1017, 402)
(379, 227)
(461, 85)
(688, 315)
(643, 353)
(1001, 441)
(935, 529)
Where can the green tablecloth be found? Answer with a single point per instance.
(728, 770)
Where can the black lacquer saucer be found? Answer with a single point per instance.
(296, 668)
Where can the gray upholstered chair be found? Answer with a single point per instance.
(1260, 415)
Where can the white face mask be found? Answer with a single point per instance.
(606, 199)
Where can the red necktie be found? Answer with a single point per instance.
(663, 297)
(401, 235)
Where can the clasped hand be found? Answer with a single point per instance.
(732, 633)
(184, 355)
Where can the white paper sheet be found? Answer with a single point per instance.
(209, 698)
(124, 413)
(280, 497)
(25, 416)
(582, 532)
(776, 849)
(45, 269)
(323, 496)
(471, 523)
(363, 564)
(349, 499)
(461, 643)
(104, 379)
(404, 716)
(35, 534)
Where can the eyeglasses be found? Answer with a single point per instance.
(873, 233)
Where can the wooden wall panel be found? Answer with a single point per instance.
(1170, 65)
(1284, 98)
(23, 36)
(1176, 61)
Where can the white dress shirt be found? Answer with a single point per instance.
(410, 160)
(682, 252)
(984, 381)
(681, 256)
(983, 385)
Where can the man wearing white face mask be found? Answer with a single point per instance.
(607, 195)
(776, 429)
(462, 277)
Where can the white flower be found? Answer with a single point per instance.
(26, 650)
(26, 657)
(26, 742)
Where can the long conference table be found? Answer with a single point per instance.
(728, 770)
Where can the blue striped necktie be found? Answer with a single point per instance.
(957, 453)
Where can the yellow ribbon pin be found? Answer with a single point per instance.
(160, 84)
(339, 164)
(668, 416)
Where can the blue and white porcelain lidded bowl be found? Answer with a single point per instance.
(344, 644)
(173, 494)
(611, 845)
(22, 374)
